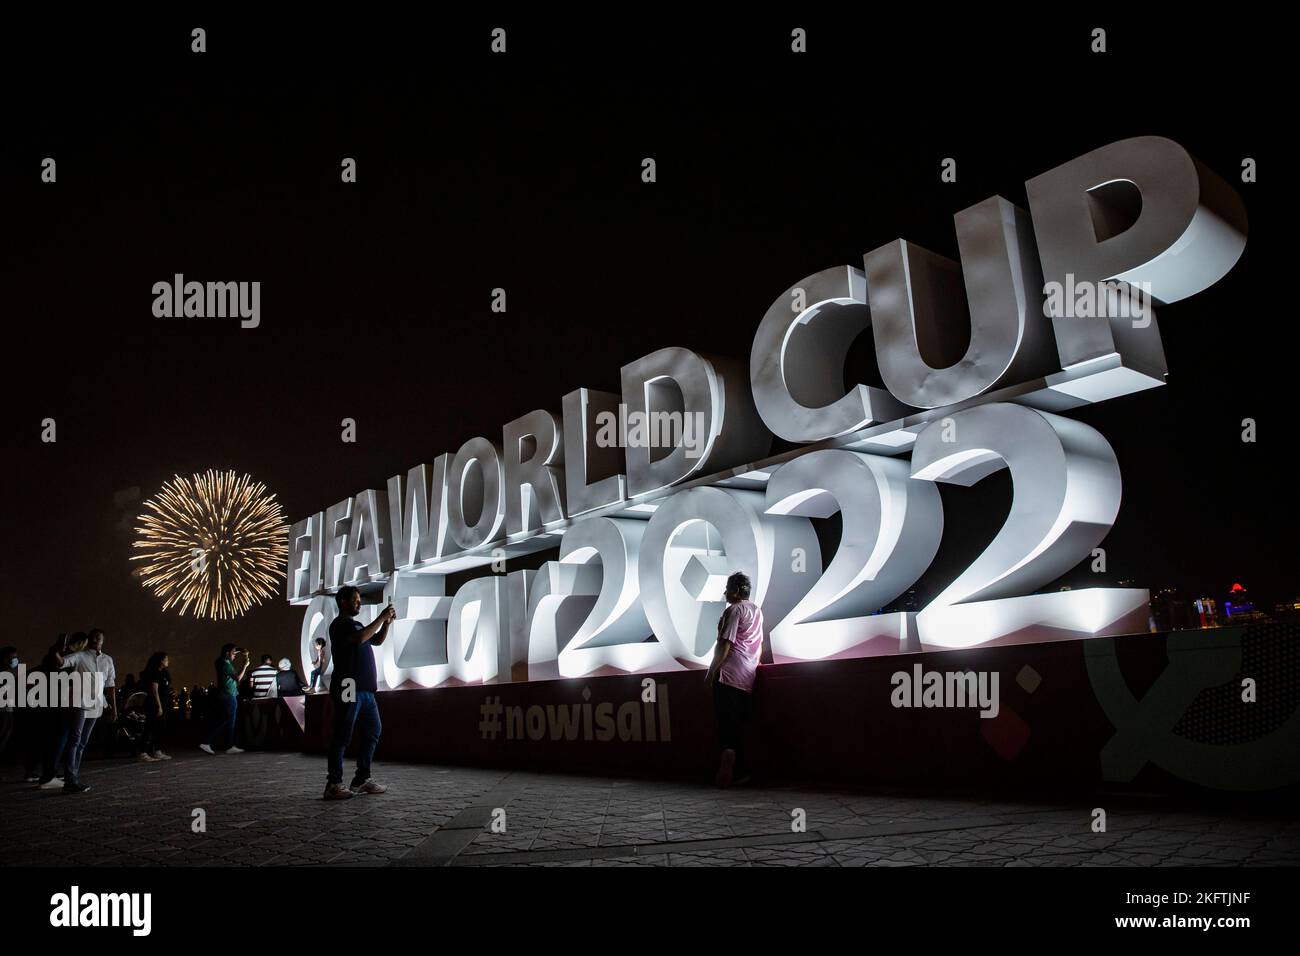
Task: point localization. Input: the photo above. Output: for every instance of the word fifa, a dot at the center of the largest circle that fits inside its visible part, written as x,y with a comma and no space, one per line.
74,909
1048,310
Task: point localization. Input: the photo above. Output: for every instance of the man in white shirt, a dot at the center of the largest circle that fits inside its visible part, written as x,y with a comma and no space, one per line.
91,660
104,666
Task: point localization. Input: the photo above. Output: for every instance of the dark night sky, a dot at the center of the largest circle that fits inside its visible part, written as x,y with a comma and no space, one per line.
522,172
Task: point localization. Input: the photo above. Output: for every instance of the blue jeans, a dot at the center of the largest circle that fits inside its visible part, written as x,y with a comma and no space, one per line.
226,707
79,751
317,675
361,714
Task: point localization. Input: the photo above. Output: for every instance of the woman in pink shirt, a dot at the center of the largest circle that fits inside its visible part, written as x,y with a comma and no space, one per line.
732,673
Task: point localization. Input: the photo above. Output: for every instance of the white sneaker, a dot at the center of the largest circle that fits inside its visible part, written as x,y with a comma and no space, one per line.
146,758
233,750
54,783
161,756
205,748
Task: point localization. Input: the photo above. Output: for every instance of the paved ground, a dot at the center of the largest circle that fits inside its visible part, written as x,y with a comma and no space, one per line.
265,809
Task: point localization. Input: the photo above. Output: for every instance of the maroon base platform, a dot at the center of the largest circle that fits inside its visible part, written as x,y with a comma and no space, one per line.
1149,710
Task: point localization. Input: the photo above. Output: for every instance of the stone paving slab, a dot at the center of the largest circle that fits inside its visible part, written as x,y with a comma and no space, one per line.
265,809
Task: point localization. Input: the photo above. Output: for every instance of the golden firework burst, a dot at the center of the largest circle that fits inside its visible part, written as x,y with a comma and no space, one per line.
216,543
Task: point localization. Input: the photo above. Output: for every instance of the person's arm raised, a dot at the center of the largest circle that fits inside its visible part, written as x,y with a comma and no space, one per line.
377,630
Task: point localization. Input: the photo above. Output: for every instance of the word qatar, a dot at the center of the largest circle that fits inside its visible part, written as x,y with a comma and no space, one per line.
646,535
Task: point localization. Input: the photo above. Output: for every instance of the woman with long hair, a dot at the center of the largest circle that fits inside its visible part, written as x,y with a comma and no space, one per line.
156,681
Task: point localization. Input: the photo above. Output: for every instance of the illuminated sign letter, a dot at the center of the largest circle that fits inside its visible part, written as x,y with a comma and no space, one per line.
1142,210
699,536
534,472
796,366
592,470
305,540
917,304
370,544
476,489
679,393
409,504
334,552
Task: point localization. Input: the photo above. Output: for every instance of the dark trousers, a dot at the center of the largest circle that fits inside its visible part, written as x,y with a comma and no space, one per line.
34,729
362,715
731,711
64,735
6,729
224,708
151,739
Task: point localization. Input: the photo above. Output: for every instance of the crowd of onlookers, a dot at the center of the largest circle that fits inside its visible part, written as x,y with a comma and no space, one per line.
133,718
54,739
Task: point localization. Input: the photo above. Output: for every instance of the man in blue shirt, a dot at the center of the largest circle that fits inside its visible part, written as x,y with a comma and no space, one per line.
352,692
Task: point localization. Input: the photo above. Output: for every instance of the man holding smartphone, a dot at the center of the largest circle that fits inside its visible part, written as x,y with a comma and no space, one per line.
352,693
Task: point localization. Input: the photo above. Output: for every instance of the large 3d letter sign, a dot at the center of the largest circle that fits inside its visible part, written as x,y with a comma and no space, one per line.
652,496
